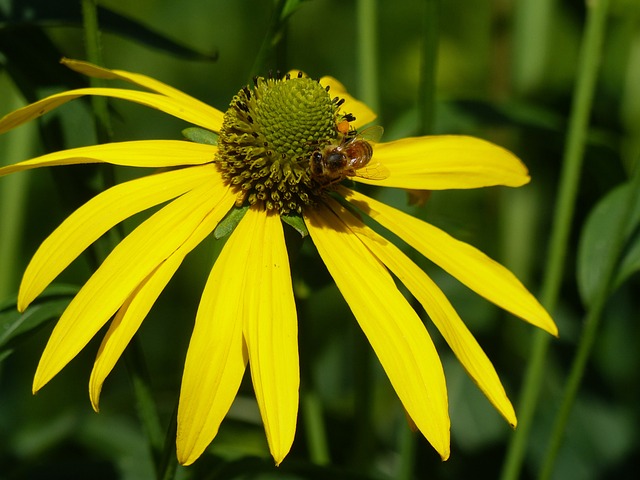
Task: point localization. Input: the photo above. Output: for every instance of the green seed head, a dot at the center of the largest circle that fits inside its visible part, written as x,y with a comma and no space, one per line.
268,136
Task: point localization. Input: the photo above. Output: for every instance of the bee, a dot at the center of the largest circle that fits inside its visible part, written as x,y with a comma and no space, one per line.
351,157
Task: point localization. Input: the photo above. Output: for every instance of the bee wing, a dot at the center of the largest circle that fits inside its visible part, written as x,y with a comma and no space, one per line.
371,134
373,170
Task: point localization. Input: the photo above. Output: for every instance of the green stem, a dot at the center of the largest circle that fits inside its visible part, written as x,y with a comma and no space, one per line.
591,324
367,15
590,56
144,400
13,196
94,55
272,38
310,402
364,434
314,426
428,71
408,441
147,409
426,121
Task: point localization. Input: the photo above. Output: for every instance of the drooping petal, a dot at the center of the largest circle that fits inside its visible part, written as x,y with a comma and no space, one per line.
146,82
270,330
468,264
447,162
394,330
439,309
98,215
172,106
137,306
363,114
141,153
217,356
123,270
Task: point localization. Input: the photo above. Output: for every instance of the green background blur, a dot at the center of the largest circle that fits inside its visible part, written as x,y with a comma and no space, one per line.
506,72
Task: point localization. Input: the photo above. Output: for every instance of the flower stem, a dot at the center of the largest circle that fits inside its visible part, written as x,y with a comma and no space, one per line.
590,329
147,409
13,195
94,55
428,71
590,56
367,17
314,423
272,38
144,400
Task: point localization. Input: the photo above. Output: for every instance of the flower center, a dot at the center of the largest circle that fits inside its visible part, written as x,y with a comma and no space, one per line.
268,137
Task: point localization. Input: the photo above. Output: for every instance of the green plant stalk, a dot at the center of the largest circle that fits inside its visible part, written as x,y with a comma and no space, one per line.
590,56
13,196
428,68
367,91
271,39
367,28
314,424
591,325
94,55
147,409
426,121
145,403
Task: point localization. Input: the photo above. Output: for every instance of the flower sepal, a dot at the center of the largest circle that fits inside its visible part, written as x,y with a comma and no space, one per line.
200,135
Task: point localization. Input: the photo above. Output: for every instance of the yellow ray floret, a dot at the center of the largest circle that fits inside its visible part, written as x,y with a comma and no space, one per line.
141,153
447,162
440,311
91,70
137,306
392,327
476,270
123,270
172,106
271,330
98,215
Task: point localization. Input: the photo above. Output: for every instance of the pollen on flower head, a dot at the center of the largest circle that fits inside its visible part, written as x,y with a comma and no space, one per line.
268,136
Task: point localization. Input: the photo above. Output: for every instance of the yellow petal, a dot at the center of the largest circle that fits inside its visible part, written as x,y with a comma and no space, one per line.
172,106
94,218
441,312
122,271
141,153
358,109
146,82
137,306
447,162
392,327
216,357
468,264
271,330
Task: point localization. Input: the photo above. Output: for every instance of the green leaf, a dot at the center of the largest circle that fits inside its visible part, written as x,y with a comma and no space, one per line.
200,135
289,8
297,222
29,13
15,325
596,241
229,223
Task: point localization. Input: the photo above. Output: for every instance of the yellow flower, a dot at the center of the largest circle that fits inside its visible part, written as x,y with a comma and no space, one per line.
275,140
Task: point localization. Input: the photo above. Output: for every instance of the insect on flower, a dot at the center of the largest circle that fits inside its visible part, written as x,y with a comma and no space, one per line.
352,156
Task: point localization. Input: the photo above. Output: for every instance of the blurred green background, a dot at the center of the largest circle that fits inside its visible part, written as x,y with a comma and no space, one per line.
506,71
